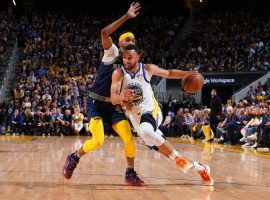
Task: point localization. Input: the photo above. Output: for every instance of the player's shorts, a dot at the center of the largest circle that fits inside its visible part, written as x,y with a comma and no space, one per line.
135,120
105,110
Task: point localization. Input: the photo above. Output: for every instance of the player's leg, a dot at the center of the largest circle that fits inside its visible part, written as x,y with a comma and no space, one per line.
148,133
97,129
122,127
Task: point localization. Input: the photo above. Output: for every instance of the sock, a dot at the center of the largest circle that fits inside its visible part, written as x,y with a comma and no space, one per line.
173,155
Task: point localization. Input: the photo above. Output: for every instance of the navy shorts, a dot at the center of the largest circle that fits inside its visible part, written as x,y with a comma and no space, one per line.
108,112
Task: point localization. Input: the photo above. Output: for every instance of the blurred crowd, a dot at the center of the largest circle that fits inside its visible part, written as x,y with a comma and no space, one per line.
220,42
62,52
246,123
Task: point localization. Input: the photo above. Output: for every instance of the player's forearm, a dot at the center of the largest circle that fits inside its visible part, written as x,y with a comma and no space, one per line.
116,99
177,74
114,26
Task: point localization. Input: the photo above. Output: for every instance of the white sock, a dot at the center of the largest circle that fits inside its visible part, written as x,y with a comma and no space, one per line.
174,154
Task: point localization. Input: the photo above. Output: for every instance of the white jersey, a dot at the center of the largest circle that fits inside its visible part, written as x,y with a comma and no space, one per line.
144,99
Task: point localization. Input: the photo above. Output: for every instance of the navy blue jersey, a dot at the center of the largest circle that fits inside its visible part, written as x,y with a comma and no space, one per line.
102,84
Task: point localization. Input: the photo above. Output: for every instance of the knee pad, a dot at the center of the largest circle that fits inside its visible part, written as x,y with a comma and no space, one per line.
147,117
154,147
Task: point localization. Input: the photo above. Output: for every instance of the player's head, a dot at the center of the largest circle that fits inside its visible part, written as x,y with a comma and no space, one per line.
126,39
131,56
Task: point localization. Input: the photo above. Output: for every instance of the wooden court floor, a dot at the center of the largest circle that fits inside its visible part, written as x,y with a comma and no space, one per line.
31,168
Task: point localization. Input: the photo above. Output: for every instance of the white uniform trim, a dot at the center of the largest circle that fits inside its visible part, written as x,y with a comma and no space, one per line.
110,54
144,102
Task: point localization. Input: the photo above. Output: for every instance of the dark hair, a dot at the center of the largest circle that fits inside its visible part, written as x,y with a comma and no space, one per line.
133,47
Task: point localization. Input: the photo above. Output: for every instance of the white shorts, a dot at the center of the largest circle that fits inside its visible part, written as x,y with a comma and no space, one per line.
135,120
78,126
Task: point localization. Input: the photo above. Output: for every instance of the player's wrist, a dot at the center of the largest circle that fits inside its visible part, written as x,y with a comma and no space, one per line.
127,16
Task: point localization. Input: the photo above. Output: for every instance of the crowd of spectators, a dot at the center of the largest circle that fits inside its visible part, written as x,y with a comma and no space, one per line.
6,26
220,42
62,54
246,123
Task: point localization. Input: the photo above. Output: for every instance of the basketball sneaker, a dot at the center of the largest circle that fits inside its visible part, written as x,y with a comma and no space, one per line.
71,162
183,164
204,172
131,178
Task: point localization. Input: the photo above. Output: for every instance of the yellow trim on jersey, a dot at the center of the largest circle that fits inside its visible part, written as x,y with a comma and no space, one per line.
156,106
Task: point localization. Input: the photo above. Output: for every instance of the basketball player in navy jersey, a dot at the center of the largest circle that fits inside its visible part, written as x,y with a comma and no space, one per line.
100,108
133,78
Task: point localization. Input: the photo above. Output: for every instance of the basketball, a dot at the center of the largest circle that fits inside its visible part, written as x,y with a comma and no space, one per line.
193,83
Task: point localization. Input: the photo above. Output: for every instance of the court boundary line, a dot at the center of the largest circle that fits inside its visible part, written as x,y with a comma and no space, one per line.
235,148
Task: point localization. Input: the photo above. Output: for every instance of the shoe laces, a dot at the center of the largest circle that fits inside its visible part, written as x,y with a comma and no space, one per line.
134,177
204,175
72,164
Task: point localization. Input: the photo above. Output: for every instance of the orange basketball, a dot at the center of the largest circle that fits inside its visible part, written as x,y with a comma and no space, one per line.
193,83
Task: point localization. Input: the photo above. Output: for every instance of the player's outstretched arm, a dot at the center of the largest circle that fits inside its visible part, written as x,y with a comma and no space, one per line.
169,74
108,30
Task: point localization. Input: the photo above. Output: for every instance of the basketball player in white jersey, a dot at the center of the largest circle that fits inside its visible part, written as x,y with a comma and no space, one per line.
131,88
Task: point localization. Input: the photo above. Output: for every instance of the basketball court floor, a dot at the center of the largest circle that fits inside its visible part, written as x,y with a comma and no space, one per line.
31,168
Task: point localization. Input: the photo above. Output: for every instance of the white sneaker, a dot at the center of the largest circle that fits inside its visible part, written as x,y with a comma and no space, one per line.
247,144
252,137
254,145
220,139
204,172
207,140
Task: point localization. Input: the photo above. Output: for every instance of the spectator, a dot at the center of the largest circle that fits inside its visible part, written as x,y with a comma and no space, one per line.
229,128
27,122
78,120
264,143
47,123
216,109
16,122
67,123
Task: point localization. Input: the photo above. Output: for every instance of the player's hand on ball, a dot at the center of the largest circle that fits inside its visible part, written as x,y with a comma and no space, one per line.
127,105
128,95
